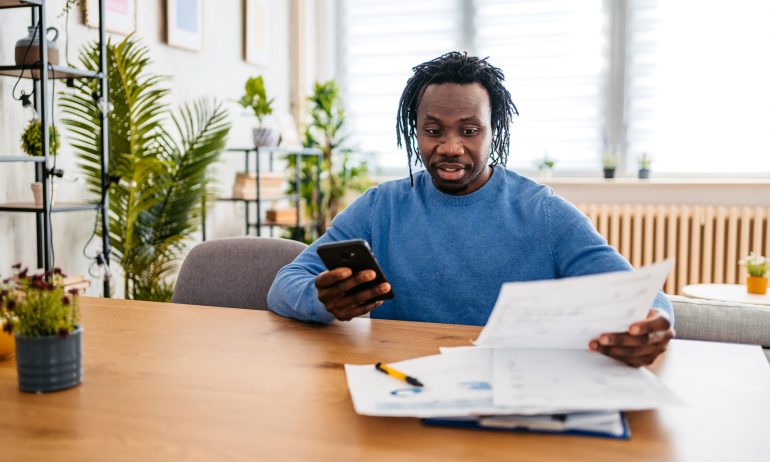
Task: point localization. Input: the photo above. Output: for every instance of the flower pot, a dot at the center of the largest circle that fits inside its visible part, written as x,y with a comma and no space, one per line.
644,173
609,173
37,193
49,363
756,285
265,137
7,343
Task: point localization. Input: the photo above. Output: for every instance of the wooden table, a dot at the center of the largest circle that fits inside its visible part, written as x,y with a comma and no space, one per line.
735,293
175,382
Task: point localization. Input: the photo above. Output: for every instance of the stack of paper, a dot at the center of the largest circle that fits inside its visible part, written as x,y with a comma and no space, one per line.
532,357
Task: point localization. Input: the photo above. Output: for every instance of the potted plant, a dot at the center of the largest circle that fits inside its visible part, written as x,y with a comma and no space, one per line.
609,164
644,162
255,97
32,145
44,320
545,167
758,267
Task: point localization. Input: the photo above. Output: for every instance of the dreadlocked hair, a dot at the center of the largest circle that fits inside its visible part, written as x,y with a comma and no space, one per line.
455,67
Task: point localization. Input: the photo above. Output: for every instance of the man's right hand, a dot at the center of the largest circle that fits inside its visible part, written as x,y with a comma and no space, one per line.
333,284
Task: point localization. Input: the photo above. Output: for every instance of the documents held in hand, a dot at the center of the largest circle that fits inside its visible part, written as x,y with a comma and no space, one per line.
531,358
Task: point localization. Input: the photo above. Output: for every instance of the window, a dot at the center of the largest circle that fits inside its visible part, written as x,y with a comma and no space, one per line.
647,75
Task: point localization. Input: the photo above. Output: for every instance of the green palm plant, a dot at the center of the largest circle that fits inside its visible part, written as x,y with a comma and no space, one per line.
158,176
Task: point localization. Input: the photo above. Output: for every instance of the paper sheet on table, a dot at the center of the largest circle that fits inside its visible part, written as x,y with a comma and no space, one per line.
568,313
456,384
573,380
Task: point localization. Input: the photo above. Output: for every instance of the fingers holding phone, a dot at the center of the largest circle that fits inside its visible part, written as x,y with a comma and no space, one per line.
336,290
355,284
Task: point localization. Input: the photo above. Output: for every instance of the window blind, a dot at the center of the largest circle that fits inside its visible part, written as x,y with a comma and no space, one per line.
379,43
555,59
697,88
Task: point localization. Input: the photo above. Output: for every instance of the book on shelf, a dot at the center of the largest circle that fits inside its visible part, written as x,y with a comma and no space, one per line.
286,215
271,184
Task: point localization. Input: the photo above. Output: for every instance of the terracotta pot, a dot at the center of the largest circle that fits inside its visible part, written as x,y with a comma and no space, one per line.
757,285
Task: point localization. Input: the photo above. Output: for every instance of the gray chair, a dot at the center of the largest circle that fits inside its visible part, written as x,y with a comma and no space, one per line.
698,319
233,272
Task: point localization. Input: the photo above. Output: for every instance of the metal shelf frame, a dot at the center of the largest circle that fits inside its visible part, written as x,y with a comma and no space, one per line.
41,73
298,154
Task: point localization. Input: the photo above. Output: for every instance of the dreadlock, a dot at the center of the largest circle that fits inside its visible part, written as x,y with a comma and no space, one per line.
455,67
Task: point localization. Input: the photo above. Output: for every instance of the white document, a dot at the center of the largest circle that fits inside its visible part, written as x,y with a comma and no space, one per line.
568,313
573,380
456,384
532,356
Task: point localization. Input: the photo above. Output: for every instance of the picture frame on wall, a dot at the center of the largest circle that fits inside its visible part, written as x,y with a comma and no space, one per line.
120,15
184,24
257,32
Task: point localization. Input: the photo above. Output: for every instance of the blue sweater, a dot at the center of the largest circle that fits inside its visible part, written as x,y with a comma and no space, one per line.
446,256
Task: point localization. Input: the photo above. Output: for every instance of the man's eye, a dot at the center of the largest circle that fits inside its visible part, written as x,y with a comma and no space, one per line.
433,131
470,131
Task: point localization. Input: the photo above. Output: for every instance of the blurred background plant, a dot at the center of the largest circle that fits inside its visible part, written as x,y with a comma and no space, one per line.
32,139
255,98
341,173
158,177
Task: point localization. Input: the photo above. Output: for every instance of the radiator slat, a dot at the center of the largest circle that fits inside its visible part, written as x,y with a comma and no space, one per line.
708,245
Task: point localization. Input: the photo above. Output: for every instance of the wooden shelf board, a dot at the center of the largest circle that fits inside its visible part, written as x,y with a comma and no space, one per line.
19,3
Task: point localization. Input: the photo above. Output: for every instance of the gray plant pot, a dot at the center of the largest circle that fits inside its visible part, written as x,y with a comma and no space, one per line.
49,363
644,173
265,137
609,173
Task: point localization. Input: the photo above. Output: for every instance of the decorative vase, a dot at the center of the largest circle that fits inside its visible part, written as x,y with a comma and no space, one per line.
265,137
644,173
609,173
546,174
49,363
28,49
756,285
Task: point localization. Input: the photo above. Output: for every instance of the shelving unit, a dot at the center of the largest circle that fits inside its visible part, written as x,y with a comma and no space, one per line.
259,222
41,73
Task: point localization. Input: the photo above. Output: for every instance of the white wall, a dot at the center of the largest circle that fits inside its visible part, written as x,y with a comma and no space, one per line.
217,71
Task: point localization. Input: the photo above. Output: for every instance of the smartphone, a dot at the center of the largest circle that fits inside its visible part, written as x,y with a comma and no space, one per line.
356,255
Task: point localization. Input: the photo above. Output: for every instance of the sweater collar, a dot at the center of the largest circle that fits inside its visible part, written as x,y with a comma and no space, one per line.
480,194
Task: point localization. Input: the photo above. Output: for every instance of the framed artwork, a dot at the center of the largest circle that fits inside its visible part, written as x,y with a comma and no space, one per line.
257,32
119,15
184,24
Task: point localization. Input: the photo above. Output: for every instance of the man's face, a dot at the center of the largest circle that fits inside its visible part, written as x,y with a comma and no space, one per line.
454,135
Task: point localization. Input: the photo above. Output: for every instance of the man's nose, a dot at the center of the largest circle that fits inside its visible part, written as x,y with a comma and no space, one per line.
450,145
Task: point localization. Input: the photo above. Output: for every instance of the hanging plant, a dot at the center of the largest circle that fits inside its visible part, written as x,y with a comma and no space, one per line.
32,139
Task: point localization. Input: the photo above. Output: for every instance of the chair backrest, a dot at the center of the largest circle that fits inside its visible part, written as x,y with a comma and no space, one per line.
233,272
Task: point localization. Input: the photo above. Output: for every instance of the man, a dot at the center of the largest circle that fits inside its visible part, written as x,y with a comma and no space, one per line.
448,237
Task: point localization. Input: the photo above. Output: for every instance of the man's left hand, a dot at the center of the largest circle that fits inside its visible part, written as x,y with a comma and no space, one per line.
643,342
